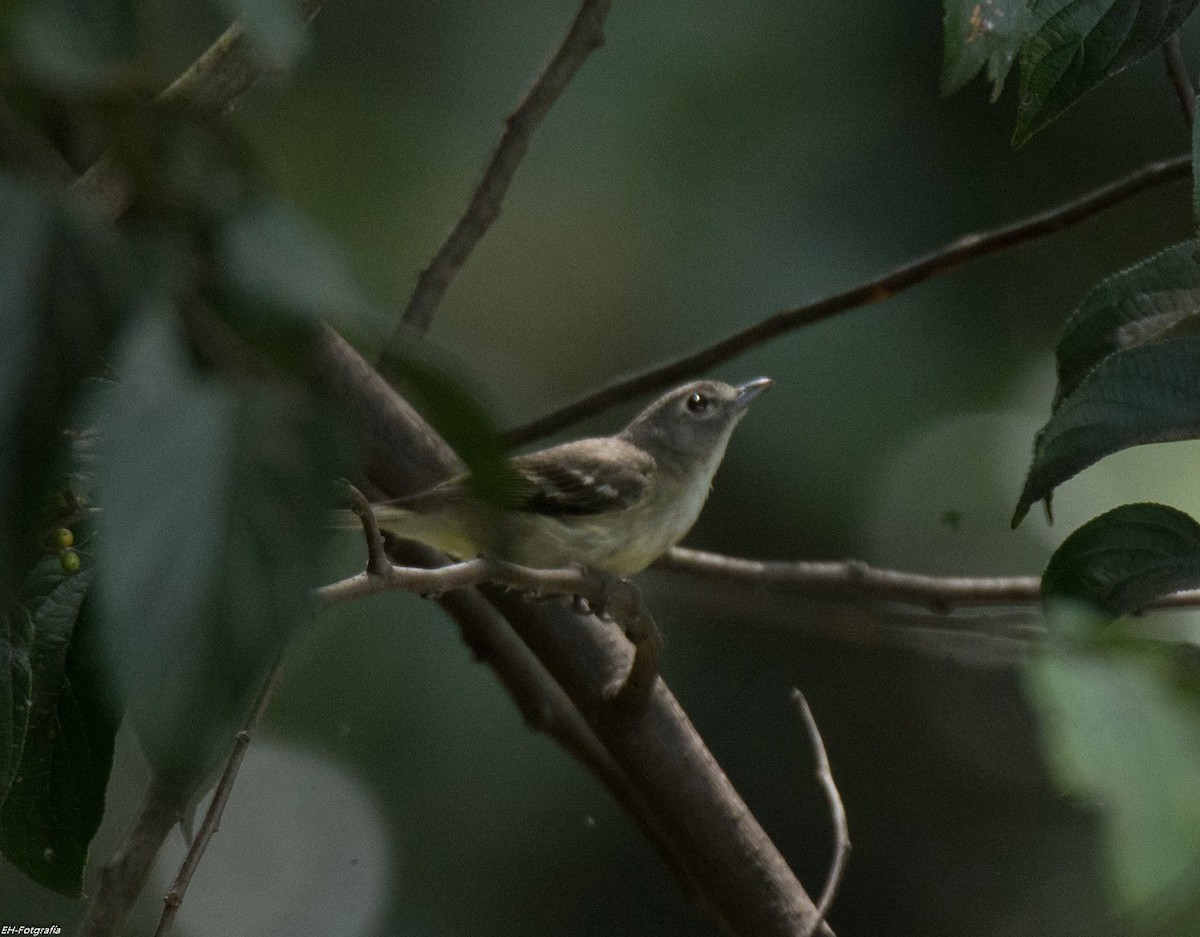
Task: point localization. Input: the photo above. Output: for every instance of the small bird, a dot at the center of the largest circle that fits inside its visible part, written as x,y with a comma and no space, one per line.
612,503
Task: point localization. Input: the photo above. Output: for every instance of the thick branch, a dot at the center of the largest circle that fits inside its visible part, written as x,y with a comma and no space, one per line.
1177,71
125,875
585,35
955,254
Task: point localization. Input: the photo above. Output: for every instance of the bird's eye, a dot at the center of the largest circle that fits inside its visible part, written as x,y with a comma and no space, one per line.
698,403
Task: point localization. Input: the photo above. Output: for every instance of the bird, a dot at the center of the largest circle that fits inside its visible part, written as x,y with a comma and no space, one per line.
610,503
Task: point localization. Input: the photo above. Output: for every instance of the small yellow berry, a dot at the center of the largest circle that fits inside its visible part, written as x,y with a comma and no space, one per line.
69,561
63,537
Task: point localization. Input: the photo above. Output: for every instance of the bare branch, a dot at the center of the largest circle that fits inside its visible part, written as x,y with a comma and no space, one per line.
955,254
126,873
837,810
585,35
1177,71
216,807
213,83
855,581
619,597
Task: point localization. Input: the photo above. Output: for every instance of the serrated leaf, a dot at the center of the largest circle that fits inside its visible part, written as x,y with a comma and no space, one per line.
1122,729
981,33
1125,559
214,505
1128,309
1141,395
56,801
1076,44
16,637
64,288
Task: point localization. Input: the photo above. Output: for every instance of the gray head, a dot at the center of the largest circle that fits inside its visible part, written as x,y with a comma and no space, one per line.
693,420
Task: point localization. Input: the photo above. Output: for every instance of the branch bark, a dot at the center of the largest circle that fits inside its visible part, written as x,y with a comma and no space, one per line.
585,35
955,254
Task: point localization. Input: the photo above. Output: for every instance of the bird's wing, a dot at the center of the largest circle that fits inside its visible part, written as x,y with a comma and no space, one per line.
589,476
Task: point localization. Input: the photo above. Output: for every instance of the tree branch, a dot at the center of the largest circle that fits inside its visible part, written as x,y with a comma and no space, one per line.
585,35
1177,71
213,83
956,253
216,807
126,873
856,581
837,810
619,597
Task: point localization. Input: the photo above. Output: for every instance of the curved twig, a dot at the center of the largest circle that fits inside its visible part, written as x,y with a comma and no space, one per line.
957,252
837,810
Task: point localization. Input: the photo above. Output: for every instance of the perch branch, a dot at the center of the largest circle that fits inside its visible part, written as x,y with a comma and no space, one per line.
955,254
619,597
1177,71
216,807
856,581
585,35
837,810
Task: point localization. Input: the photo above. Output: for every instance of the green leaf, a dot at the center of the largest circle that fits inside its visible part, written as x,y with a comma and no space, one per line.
275,260
64,288
1076,44
1123,560
214,505
16,638
1121,728
275,28
981,33
1128,309
1141,395
56,801
434,385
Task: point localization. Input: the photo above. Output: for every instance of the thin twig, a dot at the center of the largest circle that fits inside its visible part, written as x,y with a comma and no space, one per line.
222,74
216,808
957,252
585,35
1177,71
837,810
620,598
856,581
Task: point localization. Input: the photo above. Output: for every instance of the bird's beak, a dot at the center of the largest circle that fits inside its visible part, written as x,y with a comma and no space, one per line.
750,390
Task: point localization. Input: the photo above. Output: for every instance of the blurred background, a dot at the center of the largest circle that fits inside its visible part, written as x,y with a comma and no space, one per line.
711,164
